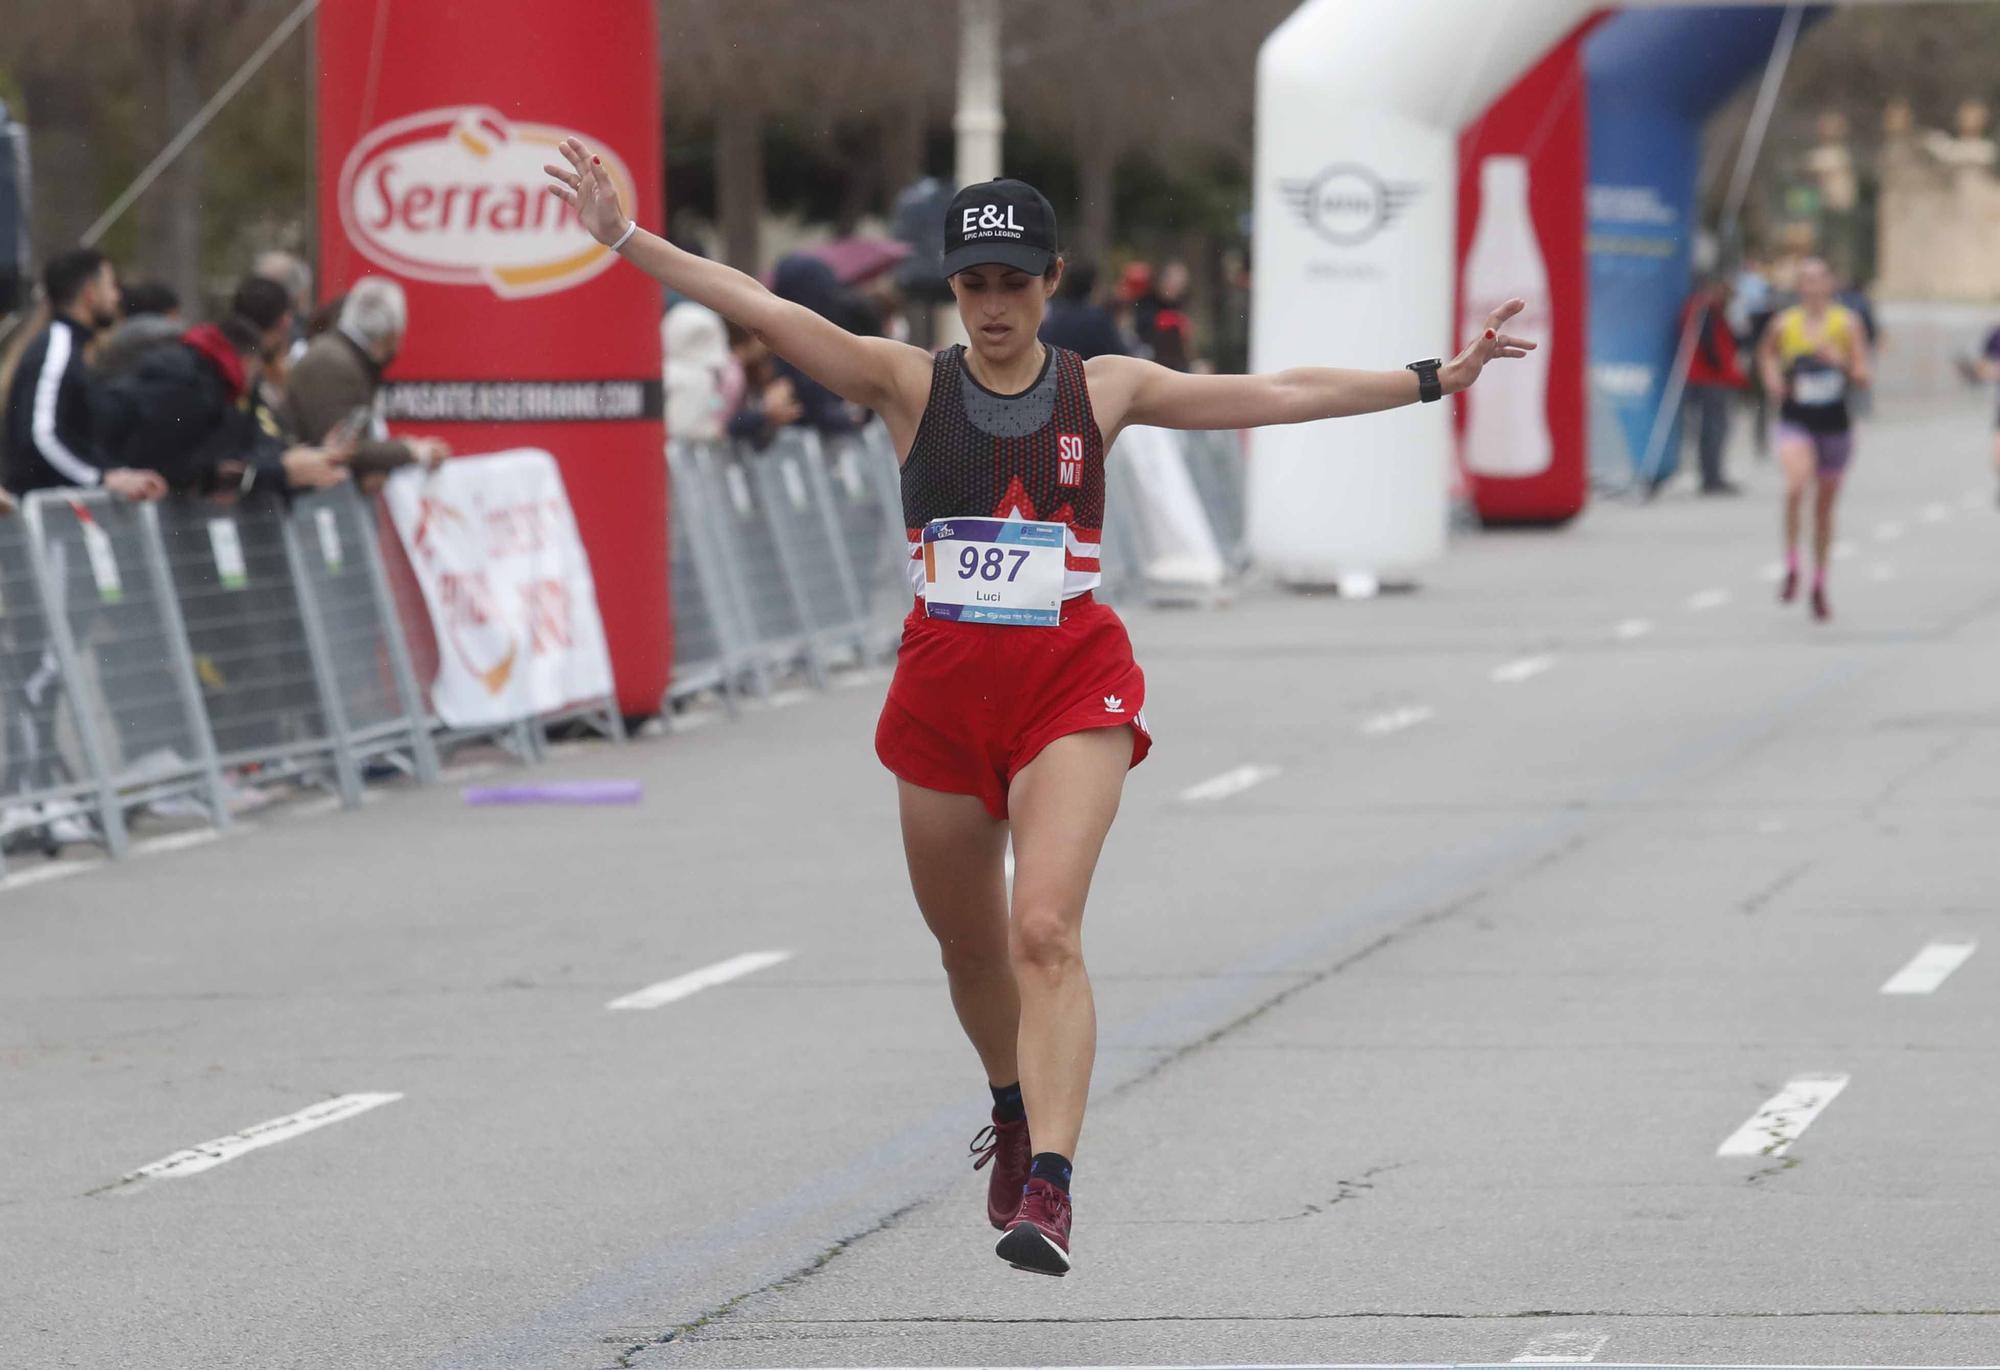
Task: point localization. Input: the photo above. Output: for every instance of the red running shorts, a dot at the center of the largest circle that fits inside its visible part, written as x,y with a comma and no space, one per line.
973,703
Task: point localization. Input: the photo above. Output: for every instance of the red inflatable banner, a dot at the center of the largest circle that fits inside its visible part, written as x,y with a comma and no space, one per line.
1523,166
434,121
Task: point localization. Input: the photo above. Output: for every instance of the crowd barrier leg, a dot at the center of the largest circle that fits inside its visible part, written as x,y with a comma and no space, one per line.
691,525
346,773
423,749
181,661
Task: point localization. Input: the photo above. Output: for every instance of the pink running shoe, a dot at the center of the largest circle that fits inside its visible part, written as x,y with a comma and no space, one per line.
1005,1144
1038,1238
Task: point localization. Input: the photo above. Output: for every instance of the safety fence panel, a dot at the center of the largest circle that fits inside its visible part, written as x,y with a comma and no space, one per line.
798,499
868,502
762,592
338,567
271,717
48,784
709,651
1216,463
114,628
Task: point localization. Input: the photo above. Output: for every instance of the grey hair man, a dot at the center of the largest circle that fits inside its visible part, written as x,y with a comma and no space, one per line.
336,387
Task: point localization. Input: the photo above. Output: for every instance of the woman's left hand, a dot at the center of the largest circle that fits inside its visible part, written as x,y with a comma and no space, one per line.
1461,371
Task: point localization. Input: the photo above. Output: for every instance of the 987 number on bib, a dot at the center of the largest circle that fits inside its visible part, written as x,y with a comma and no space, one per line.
994,571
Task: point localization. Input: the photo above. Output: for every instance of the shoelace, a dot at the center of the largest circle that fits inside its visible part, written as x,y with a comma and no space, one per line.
988,1139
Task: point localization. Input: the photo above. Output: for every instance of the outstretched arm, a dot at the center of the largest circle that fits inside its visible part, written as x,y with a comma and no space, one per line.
1125,390
877,373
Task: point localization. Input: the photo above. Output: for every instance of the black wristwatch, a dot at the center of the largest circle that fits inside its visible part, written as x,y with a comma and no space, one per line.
1427,379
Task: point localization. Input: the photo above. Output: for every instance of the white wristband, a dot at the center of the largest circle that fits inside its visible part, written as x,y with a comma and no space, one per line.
630,228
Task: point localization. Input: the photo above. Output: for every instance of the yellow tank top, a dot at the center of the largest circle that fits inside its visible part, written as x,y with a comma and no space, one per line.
1796,338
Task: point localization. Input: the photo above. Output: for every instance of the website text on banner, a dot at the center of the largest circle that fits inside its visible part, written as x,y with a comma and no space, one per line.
434,122
495,548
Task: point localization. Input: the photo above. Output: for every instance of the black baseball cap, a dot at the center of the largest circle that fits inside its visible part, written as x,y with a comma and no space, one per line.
1004,223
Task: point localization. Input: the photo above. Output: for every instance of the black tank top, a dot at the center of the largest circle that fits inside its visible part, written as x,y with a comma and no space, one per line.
1037,456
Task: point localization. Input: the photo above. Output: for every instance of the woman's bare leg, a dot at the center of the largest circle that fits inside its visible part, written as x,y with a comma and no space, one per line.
1062,804
956,850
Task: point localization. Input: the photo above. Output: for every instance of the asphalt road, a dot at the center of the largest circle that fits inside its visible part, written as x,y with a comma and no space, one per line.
1420,1036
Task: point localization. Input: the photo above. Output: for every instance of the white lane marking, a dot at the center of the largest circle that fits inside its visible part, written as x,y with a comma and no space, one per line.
1773,1128
1228,783
1563,1348
854,680
1936,513
785,699
210,1154
1632,629
1929,967
695,981
1708,599
1774,571
1882,570
1527,668
1974,499
1396,720
1888,532
1844,551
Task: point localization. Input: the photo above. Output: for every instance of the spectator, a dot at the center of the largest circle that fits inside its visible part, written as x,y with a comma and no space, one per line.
187,410
1715,376
152,317
1077,321
51,421
769,402
810,282
1752,302
335,388
703,380
1164,325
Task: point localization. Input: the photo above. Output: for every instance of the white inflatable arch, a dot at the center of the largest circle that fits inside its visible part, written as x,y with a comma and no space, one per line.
1359,108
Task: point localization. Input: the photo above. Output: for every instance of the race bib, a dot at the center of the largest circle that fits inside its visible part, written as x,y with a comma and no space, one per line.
1816,387
994,571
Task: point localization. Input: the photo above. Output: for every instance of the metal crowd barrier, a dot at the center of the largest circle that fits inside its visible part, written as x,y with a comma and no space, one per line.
173,655
791,559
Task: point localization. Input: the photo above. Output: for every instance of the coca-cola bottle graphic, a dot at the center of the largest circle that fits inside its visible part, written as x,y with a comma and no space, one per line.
1507,418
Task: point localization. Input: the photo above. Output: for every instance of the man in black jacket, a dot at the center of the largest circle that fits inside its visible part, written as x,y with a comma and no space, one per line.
51,440
188,409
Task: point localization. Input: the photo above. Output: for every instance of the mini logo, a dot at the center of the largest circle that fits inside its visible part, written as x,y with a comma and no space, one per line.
1348,204
1069,459
988,222
1113,704
455,196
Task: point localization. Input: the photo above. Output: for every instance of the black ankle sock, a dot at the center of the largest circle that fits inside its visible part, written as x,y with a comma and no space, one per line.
1047,1165
1007,1105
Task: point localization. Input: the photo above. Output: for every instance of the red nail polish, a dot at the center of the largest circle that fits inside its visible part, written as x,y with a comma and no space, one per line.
597,161
1489,335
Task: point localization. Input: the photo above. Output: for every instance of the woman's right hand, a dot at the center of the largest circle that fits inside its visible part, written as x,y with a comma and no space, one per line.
587,189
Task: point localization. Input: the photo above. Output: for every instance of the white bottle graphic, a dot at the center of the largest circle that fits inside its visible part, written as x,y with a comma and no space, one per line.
1507,419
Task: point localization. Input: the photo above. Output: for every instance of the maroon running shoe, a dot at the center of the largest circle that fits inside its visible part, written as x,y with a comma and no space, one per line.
1005,1144
1789,590
1038,1238
1821,609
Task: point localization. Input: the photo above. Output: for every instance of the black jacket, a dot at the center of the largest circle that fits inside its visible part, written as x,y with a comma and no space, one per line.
51,437
1084,328
178,413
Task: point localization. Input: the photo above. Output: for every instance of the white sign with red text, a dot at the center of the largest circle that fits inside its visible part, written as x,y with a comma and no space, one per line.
504,575
457,195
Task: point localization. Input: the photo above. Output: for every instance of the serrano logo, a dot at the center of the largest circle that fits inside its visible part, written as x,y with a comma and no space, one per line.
455,196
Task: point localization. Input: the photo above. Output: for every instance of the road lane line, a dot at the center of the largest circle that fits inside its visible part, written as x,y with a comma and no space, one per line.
1881,571
1774,571
1975,499
1563,1348
1708,599
1843,551
695,981
1396,720
1527,668
1632,629
211,1154
1773,1128
1929,967
1228,783
1889,531
1936,513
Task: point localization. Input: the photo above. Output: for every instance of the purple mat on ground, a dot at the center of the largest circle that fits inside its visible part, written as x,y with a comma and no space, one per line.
556,792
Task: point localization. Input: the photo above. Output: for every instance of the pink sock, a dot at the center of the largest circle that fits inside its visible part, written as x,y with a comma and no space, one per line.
1792,560
1819,577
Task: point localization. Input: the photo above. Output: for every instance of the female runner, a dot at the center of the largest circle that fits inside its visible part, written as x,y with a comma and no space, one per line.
1016,702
